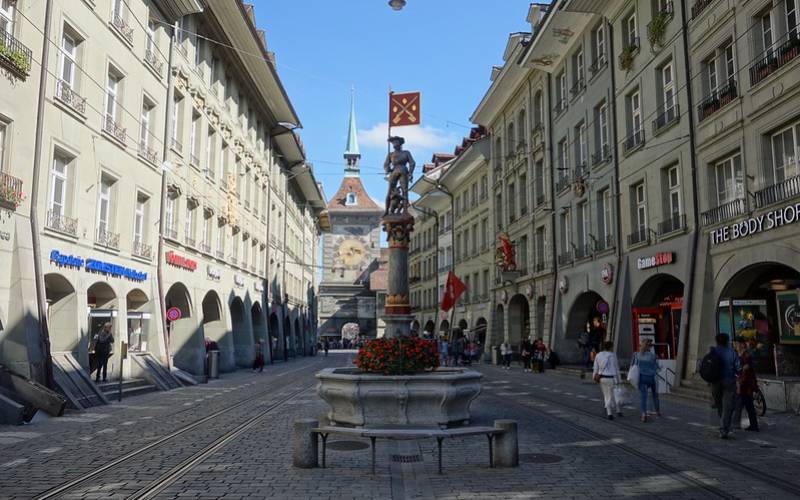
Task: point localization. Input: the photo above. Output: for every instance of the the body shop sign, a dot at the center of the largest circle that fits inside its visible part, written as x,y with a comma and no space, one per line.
757,224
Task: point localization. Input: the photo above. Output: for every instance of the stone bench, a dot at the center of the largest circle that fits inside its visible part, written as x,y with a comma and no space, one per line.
502,439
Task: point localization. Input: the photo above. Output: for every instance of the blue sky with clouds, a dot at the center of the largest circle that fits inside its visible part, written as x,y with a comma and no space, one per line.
444,48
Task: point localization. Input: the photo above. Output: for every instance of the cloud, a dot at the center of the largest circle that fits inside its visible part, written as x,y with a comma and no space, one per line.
417,137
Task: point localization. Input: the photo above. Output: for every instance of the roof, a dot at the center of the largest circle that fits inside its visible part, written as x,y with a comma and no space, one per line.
352,184
352,131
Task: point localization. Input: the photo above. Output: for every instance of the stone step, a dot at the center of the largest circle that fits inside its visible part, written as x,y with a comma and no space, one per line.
130,387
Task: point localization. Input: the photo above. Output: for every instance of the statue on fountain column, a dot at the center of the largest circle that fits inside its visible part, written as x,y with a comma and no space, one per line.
399,168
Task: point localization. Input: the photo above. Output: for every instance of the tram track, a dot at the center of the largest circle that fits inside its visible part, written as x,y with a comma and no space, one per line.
763,477
127,458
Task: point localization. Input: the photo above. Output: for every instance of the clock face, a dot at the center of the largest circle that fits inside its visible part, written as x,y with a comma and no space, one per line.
352,252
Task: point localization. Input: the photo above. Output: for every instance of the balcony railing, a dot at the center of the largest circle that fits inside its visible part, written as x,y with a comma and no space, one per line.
142,250
673,223
560,106
583,251
62,223
723,212
540,199
666,117
233,260
122,27
598,64
578,87
112,128
106,239
718,99
176,145
639,236
171,233
151,58
604,243
634,141
69,97
563,183
774,58
205,248
190,242
11,194
565,258
699,6
14,55
148,153
777,192
602,155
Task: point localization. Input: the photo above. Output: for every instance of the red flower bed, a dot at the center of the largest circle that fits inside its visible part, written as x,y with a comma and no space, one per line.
397,356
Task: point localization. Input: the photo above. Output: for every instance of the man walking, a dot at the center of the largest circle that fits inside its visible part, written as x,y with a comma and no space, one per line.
723,389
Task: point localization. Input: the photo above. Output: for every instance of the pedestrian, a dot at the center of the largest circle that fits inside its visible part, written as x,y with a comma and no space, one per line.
443,351
526,353
540,354
473,352
505,351
103,343
258,362
723,389
597,335
606,373
746,385
647,361
585,345
326,346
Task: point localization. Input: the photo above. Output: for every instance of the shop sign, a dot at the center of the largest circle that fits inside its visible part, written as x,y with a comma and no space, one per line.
659,259
213,273
754,225
238,280
563,285
789,315
181,261
96,266
607,273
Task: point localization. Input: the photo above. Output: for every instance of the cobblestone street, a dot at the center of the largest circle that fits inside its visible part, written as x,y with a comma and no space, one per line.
232,439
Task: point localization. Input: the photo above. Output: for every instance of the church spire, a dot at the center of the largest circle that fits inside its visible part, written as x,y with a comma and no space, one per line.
351,153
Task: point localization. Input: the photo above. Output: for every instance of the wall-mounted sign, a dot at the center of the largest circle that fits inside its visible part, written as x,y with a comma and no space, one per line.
96,266
757,224
258,286
607,273
173,314
659,259
529,291
502,296
238,280
213,273
563,285
602,306
181,261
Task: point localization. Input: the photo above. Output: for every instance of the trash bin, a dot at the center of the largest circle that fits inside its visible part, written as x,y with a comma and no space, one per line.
495,354
213,364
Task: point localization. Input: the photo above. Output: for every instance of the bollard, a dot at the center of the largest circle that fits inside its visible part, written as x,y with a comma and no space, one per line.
305,453
506,445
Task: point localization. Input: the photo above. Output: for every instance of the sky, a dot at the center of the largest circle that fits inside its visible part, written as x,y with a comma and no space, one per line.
443,48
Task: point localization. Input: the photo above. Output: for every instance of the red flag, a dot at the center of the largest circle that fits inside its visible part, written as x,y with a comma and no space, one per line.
452,291
404,109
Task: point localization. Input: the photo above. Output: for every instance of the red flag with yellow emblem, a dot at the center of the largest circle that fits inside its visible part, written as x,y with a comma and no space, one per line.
404,109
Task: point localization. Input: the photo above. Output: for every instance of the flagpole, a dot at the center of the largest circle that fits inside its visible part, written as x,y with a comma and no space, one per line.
389,123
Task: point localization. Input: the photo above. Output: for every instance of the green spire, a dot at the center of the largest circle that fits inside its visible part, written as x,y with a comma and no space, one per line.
352,131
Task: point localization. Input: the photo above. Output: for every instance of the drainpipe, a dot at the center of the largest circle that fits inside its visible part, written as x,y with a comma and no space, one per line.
163,209
267,269
686,313
45,377
283,276
617,195
553,245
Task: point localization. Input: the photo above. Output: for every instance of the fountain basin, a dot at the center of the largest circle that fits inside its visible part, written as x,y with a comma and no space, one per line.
441,397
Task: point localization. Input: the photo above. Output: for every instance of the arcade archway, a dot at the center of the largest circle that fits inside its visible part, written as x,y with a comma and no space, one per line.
62,314
259,325
243,347
479,331
300,345
186,340
430,326
519,320
274,335
140,328
657,309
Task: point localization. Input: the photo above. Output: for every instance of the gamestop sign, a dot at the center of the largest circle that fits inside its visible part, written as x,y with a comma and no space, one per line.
757,224
659,259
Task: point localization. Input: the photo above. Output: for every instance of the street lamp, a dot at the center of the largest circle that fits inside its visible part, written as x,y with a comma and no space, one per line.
397,4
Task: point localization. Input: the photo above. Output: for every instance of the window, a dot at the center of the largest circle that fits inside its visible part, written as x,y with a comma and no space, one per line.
540,250
510,138
144,124
631,31
561,91
563,159
210,150
118,8
583,224
7,15
198,52
223,165
580,146
188,224
498,209
245,250
205,235
668,93
484,187
104,206
521,140
239,173
785,152
729,179
601,135
512,209
67,62
674,194
523,254
474,194
475,239
3,147
577,71
538,172
636,131
169,210
194,139
485,233
523,194
220,238
604,217
150,39
498,153
711,69
139,225
485,287
112,89
58,185
538,109
791,18
640,210
599,46
766,32
566,230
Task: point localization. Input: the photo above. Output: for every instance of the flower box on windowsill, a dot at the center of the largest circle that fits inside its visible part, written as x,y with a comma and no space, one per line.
15,56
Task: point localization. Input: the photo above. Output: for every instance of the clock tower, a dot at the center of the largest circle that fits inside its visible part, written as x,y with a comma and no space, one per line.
350,251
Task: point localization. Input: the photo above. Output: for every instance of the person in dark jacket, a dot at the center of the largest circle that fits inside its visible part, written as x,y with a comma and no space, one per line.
258,362
746,385
103,342
526,352
724,390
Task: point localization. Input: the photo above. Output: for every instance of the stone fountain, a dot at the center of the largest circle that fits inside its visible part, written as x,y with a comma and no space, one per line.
438,398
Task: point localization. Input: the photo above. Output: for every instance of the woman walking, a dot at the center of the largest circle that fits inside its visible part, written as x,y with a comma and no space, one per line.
647,361
505,351
606,373
746,385
540,354
103,341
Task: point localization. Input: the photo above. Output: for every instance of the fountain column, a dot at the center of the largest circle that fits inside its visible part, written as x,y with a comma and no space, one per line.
397,312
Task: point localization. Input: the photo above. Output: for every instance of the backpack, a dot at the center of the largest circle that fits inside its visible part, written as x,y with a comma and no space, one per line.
711,367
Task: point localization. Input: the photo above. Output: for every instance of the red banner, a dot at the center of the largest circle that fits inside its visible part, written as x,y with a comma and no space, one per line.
404,109
452,291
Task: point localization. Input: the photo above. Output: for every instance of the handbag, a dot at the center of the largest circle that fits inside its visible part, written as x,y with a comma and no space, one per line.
596,377
633,373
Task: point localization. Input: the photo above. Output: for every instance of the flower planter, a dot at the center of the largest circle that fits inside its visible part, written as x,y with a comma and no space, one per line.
437,398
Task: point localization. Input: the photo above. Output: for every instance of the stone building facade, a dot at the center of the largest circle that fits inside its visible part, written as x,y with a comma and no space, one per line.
121,126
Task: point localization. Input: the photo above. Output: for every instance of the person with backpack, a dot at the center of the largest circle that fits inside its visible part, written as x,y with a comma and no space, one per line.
647,362
606,373
720,367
